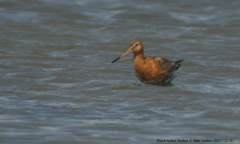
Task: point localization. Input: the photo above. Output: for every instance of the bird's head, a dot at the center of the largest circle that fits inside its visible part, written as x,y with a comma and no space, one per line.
136,46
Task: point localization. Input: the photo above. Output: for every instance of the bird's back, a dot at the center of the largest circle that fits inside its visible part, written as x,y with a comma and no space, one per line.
156,70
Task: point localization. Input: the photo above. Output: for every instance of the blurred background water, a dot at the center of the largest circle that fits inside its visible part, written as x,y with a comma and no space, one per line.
58,85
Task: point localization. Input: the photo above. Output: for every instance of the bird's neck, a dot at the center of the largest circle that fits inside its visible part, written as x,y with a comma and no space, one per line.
138,57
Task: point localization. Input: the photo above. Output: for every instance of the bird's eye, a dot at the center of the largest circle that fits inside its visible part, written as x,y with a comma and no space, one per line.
136,45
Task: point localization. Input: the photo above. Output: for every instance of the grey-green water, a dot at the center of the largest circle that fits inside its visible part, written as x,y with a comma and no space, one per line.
58,85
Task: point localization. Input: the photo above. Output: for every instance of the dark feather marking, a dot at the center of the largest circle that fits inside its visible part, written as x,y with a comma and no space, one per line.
168,65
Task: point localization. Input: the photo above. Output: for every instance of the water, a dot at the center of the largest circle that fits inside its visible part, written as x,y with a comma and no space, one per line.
58,85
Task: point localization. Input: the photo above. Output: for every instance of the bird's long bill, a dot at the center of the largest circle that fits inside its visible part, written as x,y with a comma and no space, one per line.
123,55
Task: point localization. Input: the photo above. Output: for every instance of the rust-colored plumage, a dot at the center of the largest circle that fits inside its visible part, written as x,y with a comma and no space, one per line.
151,70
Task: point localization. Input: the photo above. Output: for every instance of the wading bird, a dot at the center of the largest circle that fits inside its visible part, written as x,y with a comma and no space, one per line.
151,70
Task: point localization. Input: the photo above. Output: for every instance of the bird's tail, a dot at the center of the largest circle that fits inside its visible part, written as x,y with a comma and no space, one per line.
176,62
178,65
